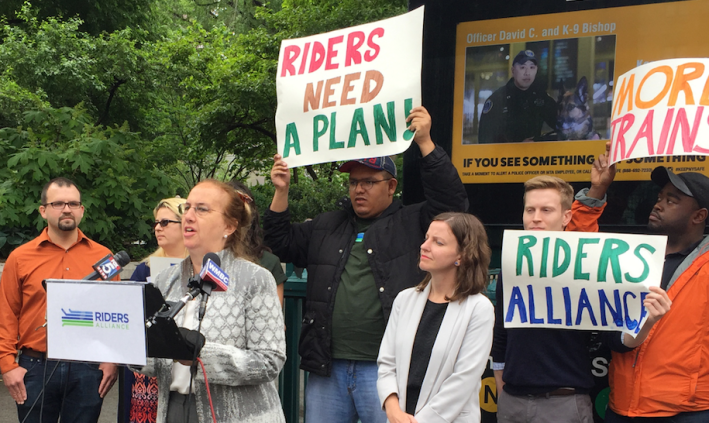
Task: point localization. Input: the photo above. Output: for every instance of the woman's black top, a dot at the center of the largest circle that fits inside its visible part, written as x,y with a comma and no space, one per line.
426,333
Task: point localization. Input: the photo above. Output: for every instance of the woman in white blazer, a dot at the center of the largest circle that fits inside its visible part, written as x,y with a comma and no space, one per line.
439,335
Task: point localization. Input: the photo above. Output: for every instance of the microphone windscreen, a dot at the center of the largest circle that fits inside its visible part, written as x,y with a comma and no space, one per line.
211,256
122,258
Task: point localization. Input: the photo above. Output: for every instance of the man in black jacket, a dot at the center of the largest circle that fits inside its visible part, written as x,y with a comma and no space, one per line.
517,111
358,260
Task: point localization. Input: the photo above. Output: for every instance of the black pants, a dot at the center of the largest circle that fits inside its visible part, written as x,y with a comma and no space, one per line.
177,409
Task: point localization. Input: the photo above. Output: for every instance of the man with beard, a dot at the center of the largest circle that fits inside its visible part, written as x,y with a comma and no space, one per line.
666,379
73,391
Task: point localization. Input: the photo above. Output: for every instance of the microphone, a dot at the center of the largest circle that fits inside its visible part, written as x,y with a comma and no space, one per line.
108,267
210,278
179,305
213,279
211,274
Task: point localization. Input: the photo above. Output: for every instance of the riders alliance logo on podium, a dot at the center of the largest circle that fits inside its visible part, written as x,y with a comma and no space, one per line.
96,319
77,318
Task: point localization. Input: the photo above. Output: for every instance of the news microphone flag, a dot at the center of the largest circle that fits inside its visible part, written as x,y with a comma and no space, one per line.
211,272
109,266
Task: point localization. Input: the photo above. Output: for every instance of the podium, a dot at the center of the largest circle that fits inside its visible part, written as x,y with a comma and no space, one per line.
164,338
105,322
96,321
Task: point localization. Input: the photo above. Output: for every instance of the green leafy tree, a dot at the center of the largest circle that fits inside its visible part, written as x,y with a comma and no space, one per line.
54,62
174,98
97,16
101,161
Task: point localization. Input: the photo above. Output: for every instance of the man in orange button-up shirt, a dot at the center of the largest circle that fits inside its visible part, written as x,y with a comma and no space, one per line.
61,251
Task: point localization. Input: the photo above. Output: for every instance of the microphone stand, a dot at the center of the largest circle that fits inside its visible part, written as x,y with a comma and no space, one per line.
170,309
206,290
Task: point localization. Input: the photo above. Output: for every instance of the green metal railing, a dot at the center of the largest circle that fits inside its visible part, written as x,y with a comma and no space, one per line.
289,379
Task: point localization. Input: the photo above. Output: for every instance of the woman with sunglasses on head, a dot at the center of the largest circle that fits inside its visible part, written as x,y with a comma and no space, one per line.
243,325
254,241
438,338
143,390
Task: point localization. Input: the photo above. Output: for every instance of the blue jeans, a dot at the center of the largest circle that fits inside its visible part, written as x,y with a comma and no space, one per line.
693,417
71,392
349,394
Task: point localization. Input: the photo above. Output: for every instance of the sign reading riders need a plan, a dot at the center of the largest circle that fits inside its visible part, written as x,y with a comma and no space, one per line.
346,94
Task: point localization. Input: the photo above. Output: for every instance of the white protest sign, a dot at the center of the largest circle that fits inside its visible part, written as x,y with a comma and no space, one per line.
577,280
345,94
96,321
158,264
659,110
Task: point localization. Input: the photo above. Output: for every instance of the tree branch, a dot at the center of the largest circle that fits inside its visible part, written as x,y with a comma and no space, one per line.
254,127
112,92
311,172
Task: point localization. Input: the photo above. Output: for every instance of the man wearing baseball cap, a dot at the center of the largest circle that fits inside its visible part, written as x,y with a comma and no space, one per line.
358,259
667,377
517,111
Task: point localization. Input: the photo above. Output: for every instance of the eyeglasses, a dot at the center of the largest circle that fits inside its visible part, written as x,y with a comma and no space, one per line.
59,205
366,184
200,210
164,223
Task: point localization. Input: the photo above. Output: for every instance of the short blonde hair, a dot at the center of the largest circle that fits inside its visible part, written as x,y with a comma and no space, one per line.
175,205
551,182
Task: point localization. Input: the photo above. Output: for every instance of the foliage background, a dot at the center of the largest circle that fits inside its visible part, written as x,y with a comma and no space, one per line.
138,100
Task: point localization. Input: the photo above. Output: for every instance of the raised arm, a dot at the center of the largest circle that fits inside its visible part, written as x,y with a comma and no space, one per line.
421,125
590,202
287,241
442,188
602,175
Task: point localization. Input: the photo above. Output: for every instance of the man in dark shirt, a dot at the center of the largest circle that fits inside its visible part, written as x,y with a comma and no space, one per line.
544,375
517,111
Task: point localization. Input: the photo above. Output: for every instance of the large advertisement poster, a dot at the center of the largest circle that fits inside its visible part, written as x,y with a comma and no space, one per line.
533,94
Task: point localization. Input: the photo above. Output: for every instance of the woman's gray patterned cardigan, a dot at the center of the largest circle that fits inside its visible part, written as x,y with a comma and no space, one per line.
245,348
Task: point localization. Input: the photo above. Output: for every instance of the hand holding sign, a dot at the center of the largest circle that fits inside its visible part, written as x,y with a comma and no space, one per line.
657,304
420,124
280,176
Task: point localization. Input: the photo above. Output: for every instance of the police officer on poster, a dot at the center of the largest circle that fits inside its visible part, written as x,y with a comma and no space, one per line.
517,111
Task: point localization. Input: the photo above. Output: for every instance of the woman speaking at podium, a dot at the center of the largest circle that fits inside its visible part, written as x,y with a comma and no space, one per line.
243,326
